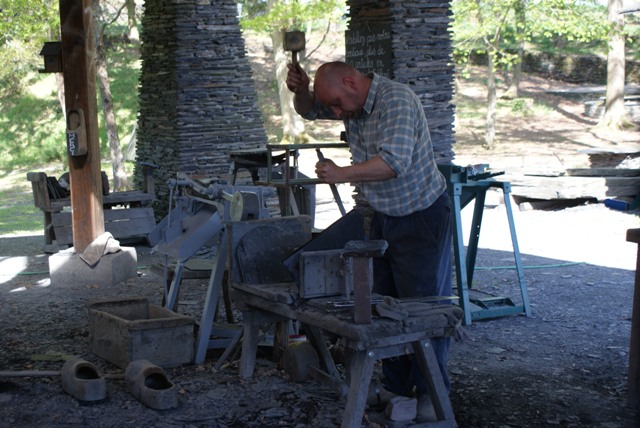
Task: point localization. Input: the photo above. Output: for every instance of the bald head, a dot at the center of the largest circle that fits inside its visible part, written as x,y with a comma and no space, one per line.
341,87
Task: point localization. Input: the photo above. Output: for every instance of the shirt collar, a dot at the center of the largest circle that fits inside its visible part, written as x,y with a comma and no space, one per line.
373,91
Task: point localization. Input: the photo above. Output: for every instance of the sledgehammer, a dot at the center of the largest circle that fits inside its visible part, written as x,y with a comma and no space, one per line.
294,42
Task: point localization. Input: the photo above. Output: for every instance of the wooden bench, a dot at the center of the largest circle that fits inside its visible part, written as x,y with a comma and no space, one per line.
258,291
135,219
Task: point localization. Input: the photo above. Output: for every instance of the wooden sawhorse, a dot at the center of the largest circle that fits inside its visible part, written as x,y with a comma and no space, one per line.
365,343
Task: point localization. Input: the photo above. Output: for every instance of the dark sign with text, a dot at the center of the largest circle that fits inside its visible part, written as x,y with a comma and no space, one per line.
368,48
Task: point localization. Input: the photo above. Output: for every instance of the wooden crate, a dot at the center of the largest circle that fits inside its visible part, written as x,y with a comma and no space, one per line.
129,329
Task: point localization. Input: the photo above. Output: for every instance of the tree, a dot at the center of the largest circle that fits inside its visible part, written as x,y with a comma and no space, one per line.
274,17
120,181
488,20
24,27
615,116
487,27
132,21
519,9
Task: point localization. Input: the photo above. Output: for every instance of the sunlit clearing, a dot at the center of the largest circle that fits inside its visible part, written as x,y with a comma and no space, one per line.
10,267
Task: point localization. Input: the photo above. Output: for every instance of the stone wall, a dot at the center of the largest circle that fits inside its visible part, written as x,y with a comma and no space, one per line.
418,36
591,70
198,100
576,69
197,96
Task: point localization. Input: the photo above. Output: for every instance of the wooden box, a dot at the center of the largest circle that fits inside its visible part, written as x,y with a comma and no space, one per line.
125,330
321,274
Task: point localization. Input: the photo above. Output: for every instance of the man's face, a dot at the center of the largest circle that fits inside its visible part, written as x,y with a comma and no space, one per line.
341,99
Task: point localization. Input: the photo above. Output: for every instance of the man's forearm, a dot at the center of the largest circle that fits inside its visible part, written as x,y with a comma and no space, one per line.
375,169
303,102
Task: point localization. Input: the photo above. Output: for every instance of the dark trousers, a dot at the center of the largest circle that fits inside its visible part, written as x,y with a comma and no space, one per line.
417,263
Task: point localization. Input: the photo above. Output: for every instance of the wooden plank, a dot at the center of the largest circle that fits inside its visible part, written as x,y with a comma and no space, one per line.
603,172
611,150
124,223
127,197
548,188
39,187
281,293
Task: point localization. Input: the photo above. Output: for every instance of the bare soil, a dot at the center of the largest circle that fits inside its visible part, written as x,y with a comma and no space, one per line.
565,365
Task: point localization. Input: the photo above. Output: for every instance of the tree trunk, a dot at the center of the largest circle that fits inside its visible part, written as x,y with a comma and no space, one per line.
59,82
117,160
490,132
293,129
132,22
514,89
60,90
614,114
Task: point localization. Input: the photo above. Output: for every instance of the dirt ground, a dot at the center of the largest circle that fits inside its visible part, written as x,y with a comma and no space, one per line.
564,366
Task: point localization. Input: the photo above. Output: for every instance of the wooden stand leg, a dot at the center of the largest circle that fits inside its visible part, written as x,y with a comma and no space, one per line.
360,378
249,346
317,339
431,371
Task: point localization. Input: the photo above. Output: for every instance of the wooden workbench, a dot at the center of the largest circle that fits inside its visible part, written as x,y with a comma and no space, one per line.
633,383
366,343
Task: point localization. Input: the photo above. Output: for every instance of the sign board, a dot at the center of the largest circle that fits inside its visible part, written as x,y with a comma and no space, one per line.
368,48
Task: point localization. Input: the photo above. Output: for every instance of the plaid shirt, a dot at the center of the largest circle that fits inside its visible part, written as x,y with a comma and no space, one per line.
393,126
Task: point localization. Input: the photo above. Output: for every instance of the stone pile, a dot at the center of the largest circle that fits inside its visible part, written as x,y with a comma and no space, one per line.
421,49
197,97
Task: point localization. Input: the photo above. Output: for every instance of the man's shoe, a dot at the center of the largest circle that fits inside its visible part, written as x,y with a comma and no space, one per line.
378,396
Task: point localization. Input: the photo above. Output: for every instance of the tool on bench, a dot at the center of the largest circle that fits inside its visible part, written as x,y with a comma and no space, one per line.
334,189
294,41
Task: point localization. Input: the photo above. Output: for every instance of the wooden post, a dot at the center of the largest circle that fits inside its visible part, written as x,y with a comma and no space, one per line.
633,381
80,95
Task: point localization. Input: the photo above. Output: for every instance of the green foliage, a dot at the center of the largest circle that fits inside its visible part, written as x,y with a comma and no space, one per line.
550,24
291,15
24,27
519,105
31,131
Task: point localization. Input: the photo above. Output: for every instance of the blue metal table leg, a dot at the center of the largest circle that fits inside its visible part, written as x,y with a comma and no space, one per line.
506,188
474,235
458,248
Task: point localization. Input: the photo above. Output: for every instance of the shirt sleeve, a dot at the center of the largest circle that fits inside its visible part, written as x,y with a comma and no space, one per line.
396,132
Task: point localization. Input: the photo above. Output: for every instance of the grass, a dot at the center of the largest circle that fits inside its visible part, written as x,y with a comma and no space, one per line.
32,128
29,133
18,214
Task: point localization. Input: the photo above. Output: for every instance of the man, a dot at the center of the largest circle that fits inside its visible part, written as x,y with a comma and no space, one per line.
395,168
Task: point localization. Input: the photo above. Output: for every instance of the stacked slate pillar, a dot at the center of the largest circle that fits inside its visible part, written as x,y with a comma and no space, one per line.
410,42
197,96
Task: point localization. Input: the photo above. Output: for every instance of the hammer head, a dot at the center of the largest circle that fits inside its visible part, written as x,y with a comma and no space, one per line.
294,41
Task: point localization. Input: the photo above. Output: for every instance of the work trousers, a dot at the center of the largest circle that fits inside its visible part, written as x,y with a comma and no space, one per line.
417,263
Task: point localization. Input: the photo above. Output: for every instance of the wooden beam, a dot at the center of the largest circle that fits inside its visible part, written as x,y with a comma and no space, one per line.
633,380
80,94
